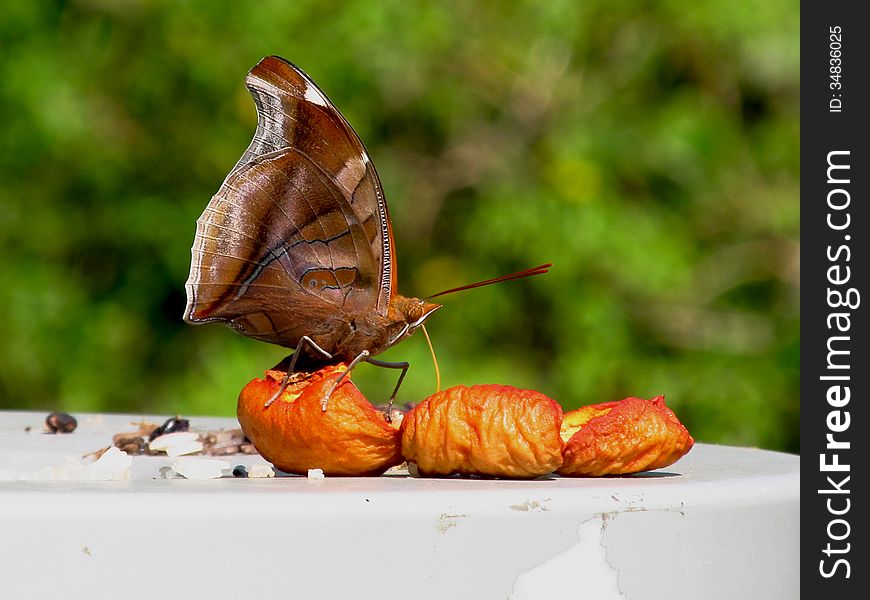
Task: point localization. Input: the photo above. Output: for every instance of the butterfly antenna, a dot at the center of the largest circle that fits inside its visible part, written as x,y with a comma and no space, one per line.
539,270
434,359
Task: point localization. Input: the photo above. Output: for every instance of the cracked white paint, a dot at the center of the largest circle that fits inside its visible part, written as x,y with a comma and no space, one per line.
581,571
531,505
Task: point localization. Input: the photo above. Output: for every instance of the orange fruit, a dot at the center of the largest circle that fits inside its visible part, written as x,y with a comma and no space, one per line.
488,430
618,438
294,433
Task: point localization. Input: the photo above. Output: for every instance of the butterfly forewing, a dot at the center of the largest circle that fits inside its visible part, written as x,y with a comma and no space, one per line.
293,111
298,234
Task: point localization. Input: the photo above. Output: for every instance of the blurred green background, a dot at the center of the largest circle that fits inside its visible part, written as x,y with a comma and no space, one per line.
650,150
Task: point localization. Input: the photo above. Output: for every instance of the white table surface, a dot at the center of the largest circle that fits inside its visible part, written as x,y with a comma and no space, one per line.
720,523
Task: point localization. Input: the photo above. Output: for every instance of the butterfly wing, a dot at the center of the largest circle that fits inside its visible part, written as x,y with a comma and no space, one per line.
299,233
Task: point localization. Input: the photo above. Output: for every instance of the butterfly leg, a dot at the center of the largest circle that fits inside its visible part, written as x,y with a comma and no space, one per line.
398,365
364,355
286,381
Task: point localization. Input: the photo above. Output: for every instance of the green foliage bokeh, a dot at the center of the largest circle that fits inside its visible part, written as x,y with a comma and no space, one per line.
649,150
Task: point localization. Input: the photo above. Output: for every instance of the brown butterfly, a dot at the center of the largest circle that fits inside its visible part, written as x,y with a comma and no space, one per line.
296,247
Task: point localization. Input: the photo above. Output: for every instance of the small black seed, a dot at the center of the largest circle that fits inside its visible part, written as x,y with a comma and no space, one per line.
240,471
172,425
60,423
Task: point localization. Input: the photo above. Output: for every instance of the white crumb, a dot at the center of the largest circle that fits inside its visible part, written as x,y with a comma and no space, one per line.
200,468
260,471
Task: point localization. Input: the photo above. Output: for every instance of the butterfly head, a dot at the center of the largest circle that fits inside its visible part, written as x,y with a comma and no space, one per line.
409,314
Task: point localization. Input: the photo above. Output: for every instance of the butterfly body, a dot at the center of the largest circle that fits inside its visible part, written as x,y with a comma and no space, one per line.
297,242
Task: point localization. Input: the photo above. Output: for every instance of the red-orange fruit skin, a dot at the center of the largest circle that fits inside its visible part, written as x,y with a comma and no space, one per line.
625,437
486,430
350,438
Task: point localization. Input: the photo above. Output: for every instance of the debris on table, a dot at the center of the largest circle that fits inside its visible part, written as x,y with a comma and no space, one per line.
58,422
177,444
172,425
261,471
200,468
175,438
112,465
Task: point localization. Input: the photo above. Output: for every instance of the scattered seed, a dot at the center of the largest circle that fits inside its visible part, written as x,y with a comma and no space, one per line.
131,443
172,425
223,442
316,474
60,423
240,471
247,448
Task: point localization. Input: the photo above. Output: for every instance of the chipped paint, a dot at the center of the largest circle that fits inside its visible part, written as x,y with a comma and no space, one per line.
447,522
580,571
531,505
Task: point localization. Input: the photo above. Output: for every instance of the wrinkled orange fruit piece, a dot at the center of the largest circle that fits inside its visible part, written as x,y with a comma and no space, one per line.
618,438
351,437
488,430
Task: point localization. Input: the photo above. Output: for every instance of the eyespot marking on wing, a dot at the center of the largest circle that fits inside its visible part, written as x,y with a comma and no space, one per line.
321,279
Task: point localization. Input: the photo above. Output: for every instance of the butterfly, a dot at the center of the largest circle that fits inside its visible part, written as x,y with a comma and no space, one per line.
296,247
